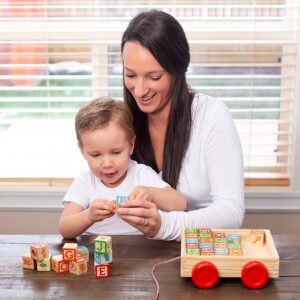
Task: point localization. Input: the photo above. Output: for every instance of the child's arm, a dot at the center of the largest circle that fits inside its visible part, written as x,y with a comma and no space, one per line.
75,219
165,198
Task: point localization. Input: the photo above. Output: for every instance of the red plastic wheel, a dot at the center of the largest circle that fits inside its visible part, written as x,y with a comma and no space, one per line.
205,275
255,275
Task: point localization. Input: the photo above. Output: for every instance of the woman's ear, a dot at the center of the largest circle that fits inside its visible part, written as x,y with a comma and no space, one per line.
132,142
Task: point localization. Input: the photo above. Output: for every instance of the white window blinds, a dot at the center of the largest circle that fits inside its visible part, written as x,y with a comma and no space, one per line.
55,55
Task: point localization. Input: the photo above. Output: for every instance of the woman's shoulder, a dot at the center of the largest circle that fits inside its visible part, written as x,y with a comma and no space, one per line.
207,104
208,111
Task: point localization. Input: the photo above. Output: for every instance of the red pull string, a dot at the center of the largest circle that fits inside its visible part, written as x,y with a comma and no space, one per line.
153,276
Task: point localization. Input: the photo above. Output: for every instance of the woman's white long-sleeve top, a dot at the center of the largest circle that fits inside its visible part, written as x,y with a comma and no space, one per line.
212,175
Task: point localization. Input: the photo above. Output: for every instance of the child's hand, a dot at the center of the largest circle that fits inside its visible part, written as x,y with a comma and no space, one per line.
101,209
142,193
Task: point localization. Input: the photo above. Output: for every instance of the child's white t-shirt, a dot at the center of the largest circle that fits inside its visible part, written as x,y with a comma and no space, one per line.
87,187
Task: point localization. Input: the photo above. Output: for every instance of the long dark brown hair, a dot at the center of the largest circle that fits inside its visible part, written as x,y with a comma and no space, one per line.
164,37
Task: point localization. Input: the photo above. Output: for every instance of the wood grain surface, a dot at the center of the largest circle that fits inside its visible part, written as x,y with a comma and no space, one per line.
133,260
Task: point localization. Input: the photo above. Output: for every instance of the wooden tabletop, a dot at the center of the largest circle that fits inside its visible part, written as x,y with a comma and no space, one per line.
133,260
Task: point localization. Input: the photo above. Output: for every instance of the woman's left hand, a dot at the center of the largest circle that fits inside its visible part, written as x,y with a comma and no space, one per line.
141,214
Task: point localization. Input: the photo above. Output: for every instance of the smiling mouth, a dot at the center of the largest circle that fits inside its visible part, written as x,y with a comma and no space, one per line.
146,99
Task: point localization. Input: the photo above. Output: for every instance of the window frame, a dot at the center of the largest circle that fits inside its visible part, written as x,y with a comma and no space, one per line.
261,182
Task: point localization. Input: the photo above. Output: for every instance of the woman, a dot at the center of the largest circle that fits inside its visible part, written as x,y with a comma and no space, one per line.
188,137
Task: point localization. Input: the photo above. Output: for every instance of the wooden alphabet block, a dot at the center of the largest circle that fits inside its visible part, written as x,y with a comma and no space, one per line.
206,251
83,251
233,238
257,237
191,230
59,265
69,251
28,262
103,258
102,244
39,251
193,251
191,235
78,267
44,265
192,246
235,251
191,240
221,251
102,271
218,235
121,199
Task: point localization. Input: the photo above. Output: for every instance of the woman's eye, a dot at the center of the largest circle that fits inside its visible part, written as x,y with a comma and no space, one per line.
130,75
155,78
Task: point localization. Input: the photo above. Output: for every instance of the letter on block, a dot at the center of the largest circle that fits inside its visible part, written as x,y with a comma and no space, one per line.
44,265
39,251
121,199
103,258
235,251
102,271
28,262
78,267
257,237
69,251
102,244
59,265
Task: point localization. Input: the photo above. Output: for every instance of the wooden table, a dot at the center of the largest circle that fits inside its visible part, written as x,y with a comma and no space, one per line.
134,257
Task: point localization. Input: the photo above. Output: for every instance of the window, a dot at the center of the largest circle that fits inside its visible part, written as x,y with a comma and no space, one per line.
55,55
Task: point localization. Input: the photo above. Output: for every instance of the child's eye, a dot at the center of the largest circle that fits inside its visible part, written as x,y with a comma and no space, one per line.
117,152
95,155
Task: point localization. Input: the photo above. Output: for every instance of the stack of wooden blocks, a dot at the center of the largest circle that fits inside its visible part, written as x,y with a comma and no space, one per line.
73,259
204,241
103,256
38,258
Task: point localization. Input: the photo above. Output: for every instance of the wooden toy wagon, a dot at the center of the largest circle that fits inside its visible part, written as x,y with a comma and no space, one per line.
207,254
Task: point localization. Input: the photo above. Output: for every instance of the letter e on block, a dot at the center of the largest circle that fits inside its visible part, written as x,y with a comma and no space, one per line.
102,271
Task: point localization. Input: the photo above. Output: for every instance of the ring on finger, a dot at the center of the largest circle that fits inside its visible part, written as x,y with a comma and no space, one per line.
146,221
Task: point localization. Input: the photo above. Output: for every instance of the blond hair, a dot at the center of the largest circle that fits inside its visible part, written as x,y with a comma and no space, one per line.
98,113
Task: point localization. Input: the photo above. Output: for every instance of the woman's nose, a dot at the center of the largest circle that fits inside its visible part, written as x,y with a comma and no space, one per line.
140,88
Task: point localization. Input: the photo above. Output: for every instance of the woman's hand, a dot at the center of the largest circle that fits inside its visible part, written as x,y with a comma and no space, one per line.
142,215
100,209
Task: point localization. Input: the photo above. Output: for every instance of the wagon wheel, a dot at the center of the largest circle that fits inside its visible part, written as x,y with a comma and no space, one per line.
205,275
255,275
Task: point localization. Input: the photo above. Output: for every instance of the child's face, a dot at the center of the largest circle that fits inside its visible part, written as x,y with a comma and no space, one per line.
107,153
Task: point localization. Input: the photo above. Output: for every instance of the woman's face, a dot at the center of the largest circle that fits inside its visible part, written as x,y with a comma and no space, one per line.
146,79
